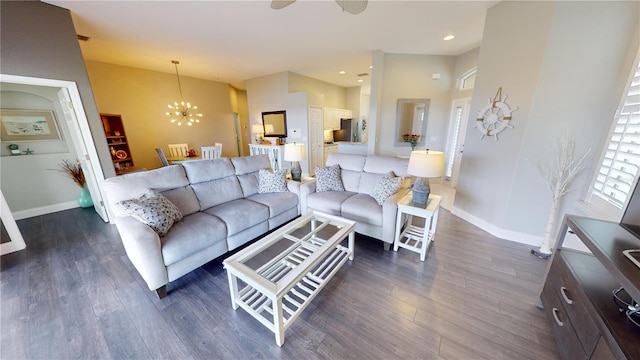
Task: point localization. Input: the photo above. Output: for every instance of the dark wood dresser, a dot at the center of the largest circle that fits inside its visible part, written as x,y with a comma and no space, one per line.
577,294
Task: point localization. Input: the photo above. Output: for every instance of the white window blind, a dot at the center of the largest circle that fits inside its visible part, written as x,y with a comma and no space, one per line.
621,160
454,142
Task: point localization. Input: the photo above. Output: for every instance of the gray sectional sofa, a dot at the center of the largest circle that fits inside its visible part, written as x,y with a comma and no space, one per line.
221,208
360,174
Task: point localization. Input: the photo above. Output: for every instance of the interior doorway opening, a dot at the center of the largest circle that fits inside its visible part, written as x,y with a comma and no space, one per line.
73,115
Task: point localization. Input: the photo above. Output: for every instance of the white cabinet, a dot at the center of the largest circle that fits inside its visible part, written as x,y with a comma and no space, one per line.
328,149
275,152
332,117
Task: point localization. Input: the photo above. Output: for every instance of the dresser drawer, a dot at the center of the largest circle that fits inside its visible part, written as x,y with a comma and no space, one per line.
564,333
574,302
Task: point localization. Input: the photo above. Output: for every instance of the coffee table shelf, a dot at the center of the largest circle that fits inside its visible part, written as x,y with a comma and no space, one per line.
283,272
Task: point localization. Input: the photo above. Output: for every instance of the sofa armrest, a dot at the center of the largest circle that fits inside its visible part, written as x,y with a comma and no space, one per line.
307,188
294,187
389,214
144,250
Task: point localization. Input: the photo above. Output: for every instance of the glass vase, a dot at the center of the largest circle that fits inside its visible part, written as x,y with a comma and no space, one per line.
85,198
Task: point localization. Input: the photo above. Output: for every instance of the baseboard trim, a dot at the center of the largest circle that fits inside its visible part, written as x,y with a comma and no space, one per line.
498,232
24,214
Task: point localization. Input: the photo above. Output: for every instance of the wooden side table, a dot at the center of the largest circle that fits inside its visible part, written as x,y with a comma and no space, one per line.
413,237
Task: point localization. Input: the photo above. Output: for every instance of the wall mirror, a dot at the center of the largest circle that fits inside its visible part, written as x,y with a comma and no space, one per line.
411,118
275,123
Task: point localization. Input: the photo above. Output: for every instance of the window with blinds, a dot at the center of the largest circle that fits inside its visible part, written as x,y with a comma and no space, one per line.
453,143
621,160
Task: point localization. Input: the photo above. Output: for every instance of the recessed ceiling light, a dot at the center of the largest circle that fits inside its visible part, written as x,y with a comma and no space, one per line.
370,66
342,72
449,37
360,80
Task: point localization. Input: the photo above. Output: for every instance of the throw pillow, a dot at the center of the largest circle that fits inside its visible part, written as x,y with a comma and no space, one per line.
328,179
269,182
154,210
386,186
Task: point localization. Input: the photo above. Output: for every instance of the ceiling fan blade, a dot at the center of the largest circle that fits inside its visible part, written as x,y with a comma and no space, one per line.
352,6
279,4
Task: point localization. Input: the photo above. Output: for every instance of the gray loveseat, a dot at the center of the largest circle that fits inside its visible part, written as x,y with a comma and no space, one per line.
360,174
222,210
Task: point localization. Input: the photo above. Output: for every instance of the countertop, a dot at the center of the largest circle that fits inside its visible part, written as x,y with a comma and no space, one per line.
349,143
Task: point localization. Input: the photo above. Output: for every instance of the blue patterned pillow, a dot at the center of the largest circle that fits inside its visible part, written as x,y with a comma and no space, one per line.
328,179
154,210
386,186
269,182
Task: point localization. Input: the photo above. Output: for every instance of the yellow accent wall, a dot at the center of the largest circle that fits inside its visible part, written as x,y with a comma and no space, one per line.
141,97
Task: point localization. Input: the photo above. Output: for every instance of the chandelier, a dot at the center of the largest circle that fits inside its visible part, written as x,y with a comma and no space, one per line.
182,111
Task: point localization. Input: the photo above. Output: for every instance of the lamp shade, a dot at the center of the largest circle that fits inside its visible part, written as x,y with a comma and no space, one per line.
257,129
294,152
426,163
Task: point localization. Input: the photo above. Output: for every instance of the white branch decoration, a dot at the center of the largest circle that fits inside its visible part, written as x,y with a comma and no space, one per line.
558,175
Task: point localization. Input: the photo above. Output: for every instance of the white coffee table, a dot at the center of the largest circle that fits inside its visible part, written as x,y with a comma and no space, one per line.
281,273
413,237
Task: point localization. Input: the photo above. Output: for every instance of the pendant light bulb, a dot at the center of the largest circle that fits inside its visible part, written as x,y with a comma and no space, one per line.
181,111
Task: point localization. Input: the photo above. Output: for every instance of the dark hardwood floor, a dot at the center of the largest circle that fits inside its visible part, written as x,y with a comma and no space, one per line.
74,294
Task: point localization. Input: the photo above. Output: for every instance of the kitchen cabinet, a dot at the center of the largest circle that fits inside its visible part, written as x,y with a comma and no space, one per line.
117,142
332,117
577,294
328,149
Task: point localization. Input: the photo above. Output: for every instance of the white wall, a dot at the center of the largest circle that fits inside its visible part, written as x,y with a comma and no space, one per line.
334,96
267,93
463,63
559,66
32,182
410,76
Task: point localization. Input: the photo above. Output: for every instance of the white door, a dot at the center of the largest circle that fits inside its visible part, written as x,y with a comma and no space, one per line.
455,141
85,147
316,139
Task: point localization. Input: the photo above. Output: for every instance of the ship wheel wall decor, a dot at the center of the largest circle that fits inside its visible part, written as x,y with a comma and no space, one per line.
495,116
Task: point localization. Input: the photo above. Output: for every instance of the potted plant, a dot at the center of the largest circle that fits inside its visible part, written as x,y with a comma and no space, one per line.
74,171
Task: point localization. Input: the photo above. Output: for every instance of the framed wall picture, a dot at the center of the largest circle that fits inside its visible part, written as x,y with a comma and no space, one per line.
28,125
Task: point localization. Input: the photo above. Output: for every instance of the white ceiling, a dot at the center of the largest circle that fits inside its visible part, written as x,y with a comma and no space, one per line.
232,41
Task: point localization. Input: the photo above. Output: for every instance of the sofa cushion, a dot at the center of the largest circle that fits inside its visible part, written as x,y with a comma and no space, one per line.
154,210
219,191
239,214
368,182
386,186
129,186
328,179
351,166
329,202
276,202
384,164
272,182
184,198
362,208
191,235
247,168
206,170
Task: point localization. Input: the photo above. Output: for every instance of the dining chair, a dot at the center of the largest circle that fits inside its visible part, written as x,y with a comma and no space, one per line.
163,159
178,150
211,152
219,144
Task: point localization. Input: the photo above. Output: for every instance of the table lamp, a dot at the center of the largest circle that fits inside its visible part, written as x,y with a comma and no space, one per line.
258,130
295,153
424,164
